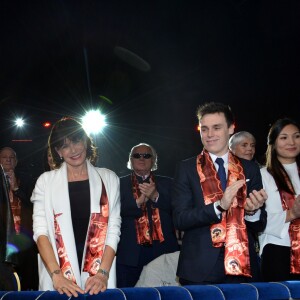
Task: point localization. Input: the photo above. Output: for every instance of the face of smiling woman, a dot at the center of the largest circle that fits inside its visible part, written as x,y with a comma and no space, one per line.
287,144
73,152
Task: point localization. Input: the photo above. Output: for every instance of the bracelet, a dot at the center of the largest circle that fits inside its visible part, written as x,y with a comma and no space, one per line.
103,272
55,272
251,213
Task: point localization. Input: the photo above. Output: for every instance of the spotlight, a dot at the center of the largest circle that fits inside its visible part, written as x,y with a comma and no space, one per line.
93,122
19,122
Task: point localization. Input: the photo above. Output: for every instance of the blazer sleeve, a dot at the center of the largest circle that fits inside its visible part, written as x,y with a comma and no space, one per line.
189,209
129,208
252,172
114,223
164,187
39,215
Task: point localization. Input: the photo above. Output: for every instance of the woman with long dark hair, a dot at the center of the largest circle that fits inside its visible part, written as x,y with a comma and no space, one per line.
280,241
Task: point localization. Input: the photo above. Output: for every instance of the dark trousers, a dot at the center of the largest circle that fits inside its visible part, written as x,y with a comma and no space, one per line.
7,278
218,275
127,276
225,279
275,263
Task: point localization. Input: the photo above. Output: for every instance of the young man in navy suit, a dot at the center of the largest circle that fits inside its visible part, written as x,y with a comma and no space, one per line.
218,202
147,229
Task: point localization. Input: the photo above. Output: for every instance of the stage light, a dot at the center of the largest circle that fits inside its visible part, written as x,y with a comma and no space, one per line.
19,122
93,122
47,124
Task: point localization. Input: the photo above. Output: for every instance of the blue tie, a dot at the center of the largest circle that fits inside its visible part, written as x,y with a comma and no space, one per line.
221,172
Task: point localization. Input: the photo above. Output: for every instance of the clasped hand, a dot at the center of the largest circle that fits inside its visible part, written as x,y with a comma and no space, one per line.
12,179
148,189
255,200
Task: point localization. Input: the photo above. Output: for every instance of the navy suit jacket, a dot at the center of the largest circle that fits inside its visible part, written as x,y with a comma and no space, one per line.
191,215
128,250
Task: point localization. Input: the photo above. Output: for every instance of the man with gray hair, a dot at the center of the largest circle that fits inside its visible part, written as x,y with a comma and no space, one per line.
19,188
147,229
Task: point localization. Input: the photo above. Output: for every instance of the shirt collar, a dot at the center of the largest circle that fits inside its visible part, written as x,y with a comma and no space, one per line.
214,157
144,177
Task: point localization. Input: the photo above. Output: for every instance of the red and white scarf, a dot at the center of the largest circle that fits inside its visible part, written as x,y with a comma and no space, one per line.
287,201
231,232
95,241
142,224
15,204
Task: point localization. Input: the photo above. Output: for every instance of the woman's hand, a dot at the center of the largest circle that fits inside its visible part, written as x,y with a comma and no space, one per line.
65,286
294,212
96,284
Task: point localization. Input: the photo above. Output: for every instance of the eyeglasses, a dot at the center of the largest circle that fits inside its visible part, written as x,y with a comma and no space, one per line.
139,155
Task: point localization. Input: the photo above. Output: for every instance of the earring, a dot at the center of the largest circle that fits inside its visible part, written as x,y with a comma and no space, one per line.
61,158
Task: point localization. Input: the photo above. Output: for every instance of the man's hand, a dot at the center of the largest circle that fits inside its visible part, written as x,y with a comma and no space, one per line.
140,200
230,194
12,180
255,200
148,189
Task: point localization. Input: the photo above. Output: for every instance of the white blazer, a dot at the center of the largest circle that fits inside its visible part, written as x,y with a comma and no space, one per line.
51,195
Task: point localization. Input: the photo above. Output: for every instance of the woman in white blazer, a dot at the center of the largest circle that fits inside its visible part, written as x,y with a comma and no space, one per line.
76,216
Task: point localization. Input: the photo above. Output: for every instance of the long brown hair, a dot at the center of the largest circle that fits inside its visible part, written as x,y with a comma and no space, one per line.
274,166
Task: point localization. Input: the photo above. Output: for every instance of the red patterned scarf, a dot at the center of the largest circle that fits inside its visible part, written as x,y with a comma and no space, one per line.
142,224
15,204
96,236
95,241
287,201
231,232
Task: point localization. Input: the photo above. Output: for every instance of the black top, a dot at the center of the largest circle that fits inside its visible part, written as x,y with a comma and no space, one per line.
79,193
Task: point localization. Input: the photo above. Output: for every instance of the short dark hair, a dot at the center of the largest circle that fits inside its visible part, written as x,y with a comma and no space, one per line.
216,107
69,128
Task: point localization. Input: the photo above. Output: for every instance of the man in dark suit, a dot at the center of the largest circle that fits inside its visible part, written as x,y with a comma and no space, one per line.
9,279
218,202
19,192
147,229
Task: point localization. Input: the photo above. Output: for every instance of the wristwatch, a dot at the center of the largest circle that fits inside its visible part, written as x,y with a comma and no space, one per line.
219,207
